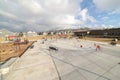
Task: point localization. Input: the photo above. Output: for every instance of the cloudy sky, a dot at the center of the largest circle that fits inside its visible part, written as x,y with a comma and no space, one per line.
42,15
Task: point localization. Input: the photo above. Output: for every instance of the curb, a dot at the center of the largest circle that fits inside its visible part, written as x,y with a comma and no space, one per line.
8,65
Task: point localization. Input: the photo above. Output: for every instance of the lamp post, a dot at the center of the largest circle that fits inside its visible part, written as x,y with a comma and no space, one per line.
88,32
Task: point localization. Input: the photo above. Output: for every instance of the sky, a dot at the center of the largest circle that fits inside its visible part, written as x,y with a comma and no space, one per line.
44,15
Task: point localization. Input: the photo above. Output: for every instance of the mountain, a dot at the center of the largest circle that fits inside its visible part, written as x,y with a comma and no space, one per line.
4,32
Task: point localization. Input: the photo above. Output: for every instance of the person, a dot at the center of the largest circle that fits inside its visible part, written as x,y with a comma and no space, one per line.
81,46
94,44
17,44
20,34
26,41
98,47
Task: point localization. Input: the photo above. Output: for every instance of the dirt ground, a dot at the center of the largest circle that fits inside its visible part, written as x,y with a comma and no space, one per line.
108,40
8,50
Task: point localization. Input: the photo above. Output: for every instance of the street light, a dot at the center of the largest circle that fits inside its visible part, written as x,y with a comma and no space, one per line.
88,32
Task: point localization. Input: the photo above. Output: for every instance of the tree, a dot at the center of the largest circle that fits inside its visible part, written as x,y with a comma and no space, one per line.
20,34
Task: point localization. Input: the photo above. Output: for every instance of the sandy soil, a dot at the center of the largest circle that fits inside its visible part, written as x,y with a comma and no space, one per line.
108,40
8,50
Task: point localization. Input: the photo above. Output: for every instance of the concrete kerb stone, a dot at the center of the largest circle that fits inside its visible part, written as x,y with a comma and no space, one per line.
8,65
27,53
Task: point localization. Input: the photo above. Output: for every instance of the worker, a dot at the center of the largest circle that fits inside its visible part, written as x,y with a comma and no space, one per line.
98,47
81,46
94,44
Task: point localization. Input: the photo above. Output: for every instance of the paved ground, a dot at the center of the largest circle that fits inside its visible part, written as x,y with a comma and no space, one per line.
70,62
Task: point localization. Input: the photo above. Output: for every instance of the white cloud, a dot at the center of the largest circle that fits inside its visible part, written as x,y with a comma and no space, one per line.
111,26
85,16
106,26
39,12
100,26
6,14
117,11
92,19
10,26
105,18
42,14
108,5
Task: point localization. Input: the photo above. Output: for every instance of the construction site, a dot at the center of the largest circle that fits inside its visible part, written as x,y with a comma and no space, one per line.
60,57
59,39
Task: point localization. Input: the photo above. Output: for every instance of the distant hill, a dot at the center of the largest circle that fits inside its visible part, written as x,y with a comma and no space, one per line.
4,32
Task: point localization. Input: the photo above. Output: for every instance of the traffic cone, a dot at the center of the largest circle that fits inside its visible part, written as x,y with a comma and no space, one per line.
81,46
98,47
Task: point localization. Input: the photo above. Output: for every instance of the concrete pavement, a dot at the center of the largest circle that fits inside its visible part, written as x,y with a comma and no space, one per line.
35,64
70,62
